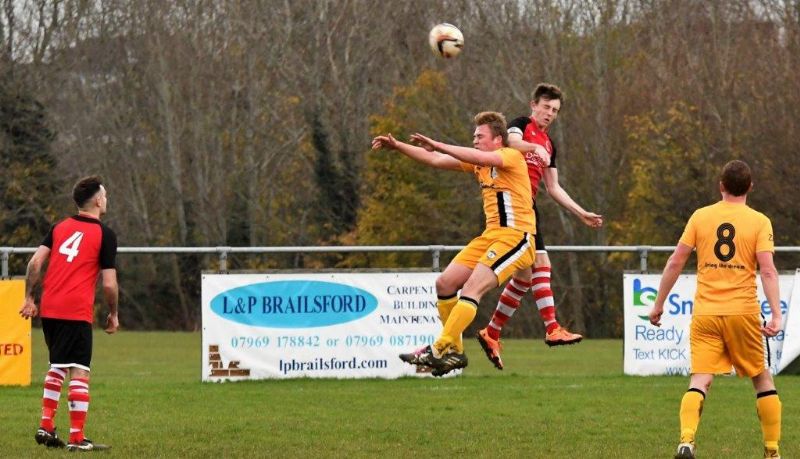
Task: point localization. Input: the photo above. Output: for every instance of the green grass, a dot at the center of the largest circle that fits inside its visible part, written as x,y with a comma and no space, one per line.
147,401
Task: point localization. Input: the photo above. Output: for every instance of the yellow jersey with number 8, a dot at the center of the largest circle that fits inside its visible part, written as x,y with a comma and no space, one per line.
727,237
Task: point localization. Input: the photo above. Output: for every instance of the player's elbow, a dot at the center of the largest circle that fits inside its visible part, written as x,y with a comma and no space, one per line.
32,266
35,264
439,163
551,183
675,263
521,145
769,273
110,284
110,290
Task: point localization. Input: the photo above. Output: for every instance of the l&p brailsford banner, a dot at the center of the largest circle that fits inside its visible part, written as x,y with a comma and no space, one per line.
651,350
15,336
342,325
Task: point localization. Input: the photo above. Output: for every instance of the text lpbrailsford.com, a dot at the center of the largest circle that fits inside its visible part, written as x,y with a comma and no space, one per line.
332,363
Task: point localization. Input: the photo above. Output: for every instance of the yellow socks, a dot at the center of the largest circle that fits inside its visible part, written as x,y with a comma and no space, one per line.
768,406
691,409
445,306
461,315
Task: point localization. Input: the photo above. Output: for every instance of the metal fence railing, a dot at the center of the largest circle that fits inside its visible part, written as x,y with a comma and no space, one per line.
434,250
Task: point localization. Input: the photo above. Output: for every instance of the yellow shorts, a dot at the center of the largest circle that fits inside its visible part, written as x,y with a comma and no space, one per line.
504,250
719,342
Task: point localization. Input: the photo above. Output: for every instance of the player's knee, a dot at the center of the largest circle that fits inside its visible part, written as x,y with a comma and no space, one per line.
476,286
523,275
763,381
446,286
704,386
76,372
701,382
542,260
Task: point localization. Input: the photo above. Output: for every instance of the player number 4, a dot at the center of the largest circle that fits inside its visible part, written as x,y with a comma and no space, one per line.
70,246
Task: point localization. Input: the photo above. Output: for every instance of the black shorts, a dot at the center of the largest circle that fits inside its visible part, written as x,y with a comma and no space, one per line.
69,342
537,238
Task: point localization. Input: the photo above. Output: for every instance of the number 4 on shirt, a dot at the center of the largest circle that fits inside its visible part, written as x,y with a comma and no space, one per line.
70,246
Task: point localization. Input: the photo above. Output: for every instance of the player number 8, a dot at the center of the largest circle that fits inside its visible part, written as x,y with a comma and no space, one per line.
725,233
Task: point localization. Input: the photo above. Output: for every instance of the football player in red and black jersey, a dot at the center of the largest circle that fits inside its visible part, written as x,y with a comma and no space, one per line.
78,248
529,134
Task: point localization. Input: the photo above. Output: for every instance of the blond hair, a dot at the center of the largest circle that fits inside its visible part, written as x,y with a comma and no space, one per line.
496,122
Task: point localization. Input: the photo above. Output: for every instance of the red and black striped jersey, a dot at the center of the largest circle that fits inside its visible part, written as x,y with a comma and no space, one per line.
80,247
530,132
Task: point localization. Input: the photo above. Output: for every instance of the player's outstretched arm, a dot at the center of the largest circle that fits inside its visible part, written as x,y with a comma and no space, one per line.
670,275
111,293
465,154
33,275
424,155
515,141
769,280
561,196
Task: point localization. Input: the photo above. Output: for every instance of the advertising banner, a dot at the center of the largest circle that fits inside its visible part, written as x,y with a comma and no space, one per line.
332,325
15,336
651,350
791,343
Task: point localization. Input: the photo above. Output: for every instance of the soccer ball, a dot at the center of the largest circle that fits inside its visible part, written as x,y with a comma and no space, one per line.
446,40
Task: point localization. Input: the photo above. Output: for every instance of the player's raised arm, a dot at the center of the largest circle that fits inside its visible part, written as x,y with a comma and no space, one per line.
423,155
515,141
465,154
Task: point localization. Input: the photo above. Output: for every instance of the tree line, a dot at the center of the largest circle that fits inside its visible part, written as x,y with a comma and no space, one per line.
247,123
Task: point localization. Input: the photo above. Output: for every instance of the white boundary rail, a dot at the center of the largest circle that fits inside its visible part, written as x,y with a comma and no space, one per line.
434,250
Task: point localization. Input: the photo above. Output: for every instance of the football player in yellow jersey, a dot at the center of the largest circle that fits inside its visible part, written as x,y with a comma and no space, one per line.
727,328
505,246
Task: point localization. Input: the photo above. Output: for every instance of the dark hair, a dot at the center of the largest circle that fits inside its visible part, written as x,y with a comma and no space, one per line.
85,190
547,91
496,122
736,177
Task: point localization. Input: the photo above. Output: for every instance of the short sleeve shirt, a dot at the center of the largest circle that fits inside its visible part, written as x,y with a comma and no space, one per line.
80,247
507,198
727,237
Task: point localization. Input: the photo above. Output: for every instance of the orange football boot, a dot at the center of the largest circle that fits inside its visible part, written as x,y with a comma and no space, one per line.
561,336
491,347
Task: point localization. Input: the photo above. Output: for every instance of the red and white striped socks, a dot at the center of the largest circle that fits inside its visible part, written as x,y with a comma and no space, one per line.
508,304
544,297
78,397
78,406
512,294
52,393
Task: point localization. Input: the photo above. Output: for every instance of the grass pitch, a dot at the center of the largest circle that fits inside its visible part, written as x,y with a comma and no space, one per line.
147,401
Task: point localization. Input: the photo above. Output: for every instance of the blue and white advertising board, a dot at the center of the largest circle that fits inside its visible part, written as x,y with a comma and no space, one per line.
651,350
316,325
